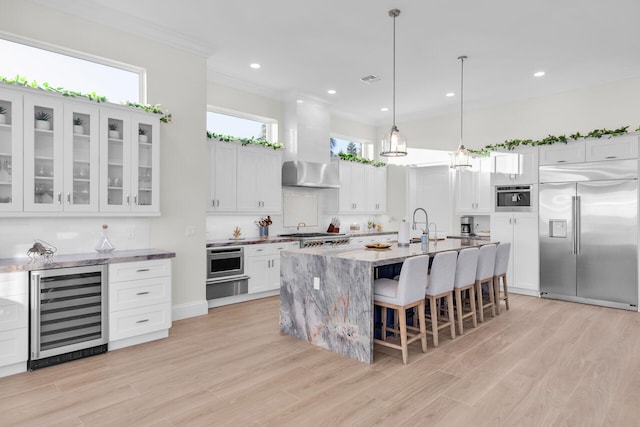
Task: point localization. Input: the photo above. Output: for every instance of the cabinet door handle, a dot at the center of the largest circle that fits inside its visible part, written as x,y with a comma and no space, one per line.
143,293
611,157
68,198
142,321
142,270
128,200
59,198
135,200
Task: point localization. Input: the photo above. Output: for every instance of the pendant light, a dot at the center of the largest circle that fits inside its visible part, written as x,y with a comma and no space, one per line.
460,157
394,144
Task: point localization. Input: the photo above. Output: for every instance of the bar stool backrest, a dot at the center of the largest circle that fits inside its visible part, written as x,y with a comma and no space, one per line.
486,262
502,258
466,267
443,272
413,279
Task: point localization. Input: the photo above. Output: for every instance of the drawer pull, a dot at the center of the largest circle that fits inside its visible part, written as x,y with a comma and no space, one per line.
142,321
142,270
610,157
143,293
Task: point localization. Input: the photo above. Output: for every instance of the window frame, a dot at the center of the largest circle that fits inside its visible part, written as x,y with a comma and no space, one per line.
270,122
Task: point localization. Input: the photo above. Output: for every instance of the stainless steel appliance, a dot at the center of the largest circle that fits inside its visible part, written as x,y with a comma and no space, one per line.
307,174
319,239
68,314
515,198
466,226
589,233
225,272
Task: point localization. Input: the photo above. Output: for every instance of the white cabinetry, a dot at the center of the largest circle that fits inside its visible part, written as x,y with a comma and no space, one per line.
521,230
139,302
517,166
223,158
262,265
363,189
259,180
473,188
14,314
376,185
616,148
245,179
129,162
558,153
11,130
430,188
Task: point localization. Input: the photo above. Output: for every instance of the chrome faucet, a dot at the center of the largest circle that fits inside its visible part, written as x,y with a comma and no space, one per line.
425,230
300,224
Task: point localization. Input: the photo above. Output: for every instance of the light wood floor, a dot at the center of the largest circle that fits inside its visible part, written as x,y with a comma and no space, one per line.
542,363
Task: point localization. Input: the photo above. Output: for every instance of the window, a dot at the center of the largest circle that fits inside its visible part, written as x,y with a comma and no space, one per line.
242,125
340,145
116,82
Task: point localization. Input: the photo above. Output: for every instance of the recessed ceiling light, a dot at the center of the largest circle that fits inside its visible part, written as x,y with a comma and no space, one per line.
538,74
450,94
299,101
384,109
331,92
255,66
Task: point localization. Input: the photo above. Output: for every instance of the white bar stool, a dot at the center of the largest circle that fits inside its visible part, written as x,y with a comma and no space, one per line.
500,272
440,285
402,294
466,266
484,274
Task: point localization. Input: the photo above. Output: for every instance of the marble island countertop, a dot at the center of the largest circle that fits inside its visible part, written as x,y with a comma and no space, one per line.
9,265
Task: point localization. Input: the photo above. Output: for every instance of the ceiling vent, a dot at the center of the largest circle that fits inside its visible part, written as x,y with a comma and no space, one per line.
372,78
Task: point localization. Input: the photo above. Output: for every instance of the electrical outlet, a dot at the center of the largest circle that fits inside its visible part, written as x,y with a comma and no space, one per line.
316,283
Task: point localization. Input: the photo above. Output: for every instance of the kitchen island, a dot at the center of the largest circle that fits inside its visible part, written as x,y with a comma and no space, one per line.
326,294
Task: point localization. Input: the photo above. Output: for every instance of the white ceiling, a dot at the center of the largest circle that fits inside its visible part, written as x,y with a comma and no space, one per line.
312,46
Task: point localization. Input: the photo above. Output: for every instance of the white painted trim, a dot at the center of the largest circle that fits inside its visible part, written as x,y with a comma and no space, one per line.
16,368
190,309
219,302
523,291
138,339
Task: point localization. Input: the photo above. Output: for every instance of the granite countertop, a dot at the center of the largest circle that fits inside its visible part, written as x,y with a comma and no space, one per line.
9,265
368,233
394,254
215,243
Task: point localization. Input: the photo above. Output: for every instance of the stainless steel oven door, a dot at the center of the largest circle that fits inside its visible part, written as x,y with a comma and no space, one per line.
517,198
224,262
228,286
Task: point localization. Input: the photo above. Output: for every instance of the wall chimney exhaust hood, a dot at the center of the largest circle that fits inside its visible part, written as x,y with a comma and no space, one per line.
308,174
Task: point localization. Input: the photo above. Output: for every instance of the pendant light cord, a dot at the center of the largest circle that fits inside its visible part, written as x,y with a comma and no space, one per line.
394,13
461,58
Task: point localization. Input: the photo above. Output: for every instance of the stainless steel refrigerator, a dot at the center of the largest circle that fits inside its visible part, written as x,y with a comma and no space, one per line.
589,233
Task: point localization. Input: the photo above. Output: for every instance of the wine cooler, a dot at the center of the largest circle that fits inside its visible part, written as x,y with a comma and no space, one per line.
68,314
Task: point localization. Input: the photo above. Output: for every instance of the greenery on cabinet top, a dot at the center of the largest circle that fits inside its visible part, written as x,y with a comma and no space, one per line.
353,158
245,141
22,81
551,139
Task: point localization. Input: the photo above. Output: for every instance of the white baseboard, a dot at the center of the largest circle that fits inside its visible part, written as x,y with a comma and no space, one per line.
219,302
523,291
16,368
190,309
140,339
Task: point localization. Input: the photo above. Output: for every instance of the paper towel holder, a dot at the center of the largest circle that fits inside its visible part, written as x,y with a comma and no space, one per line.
403,234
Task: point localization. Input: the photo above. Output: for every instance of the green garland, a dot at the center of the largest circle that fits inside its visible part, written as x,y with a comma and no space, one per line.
19,80
551,139
353,158
245,141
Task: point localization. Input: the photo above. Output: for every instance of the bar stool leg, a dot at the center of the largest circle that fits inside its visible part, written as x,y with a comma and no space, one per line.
460,310
423,325
452,321
479,298
434,319
402,314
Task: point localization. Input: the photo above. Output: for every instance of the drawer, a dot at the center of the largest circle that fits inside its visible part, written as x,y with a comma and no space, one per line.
139,270
14,284
558,153
139,293
139,321
14,312
14,346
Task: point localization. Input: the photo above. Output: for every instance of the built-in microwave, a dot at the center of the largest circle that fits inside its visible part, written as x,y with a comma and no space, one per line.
515,198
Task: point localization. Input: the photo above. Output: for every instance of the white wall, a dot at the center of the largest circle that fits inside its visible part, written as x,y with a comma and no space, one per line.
609,105
175,79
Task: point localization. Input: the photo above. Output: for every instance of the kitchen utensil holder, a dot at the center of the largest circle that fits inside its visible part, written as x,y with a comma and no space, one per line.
263,230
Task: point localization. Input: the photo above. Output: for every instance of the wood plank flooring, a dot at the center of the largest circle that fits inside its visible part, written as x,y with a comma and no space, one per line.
541,363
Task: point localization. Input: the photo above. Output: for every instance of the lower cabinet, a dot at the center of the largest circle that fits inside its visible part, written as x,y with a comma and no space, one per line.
521,229
262,265
139,302
14,321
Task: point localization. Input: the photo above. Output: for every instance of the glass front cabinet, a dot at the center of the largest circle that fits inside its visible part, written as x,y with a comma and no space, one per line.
10,151
129,156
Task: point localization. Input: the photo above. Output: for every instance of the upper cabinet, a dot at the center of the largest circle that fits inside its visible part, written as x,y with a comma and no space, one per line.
11,130
363,189
620,147
517,166
60,155
129,162
559,153
473,188
245,179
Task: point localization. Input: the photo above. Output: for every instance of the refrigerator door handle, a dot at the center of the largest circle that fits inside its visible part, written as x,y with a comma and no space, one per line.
573,227
577,216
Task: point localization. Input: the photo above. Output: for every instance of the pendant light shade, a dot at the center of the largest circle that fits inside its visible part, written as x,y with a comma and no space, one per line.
394,144
460,158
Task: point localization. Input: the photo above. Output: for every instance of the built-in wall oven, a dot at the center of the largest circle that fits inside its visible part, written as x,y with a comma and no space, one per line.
515,198
225,272
68,314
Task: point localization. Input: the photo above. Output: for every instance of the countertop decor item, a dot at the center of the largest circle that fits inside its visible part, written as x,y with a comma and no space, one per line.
3,115
104,244
263,226
142,135
236,233
77,126
41,248
42,120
